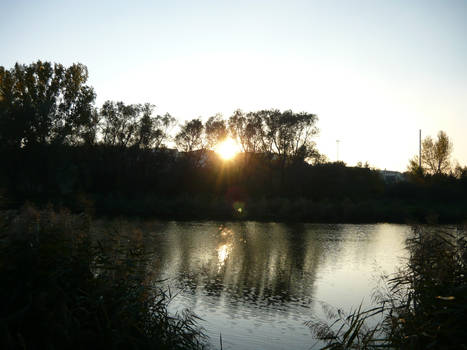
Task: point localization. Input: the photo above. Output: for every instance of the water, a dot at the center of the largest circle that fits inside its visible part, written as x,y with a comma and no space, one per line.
257,283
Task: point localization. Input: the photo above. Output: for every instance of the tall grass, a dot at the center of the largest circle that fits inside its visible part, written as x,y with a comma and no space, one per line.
63,290
422,306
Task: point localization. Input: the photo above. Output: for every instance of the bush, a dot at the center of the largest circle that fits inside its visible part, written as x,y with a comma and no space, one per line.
62,289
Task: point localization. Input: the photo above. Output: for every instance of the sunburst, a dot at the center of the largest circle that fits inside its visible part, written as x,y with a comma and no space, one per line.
227,149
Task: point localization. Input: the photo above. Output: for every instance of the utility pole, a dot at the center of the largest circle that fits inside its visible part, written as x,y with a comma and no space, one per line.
337,147
420,148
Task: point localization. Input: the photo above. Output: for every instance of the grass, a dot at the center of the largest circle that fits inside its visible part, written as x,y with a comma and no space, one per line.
62,289
423,306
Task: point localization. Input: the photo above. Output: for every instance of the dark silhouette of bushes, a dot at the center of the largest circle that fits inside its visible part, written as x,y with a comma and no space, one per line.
63,289
111,180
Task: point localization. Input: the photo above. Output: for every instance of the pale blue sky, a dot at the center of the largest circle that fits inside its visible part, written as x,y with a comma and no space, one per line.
374,71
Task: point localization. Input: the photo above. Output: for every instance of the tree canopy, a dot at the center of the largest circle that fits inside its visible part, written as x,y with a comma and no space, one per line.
190,136
46,103
436,156
134,125
215,130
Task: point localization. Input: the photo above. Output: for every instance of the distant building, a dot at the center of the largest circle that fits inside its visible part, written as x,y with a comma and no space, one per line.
390,176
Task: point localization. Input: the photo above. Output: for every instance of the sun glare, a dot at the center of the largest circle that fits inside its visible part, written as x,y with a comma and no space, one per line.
227,149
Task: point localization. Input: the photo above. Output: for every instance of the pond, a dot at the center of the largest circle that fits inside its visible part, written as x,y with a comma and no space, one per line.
256,284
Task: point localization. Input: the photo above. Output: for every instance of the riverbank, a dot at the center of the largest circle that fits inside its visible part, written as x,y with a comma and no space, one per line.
263,209
113,181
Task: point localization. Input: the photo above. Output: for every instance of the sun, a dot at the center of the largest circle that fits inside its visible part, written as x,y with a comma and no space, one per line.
227,149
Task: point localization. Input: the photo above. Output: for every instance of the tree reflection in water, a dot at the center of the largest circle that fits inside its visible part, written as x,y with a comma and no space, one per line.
241,276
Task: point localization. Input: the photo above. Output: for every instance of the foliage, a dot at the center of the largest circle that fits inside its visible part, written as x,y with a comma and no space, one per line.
63,289
247,129
160,131
289,134
45,103
430,292
133,125
215,131
120,123
154,132
190,136
460,172
285,134
110,180
349,330
435,156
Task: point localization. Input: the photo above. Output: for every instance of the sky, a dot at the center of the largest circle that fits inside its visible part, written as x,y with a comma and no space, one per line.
375,71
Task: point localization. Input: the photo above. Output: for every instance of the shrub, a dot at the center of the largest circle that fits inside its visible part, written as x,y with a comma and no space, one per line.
63,289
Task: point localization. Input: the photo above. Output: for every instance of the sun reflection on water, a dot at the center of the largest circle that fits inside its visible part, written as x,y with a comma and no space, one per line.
225,247
223,253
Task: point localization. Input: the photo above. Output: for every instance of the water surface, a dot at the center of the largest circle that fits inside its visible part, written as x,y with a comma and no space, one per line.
257,283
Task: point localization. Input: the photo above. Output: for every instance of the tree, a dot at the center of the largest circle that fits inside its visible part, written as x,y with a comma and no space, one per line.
45,103
146,128
120,123
285,135
154,131
190,136
163,124
460,172
289,135
90,130
215,130
247,129
435,156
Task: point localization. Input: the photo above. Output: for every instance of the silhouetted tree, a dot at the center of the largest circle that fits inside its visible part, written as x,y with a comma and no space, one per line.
119,123
460,172
163,125
289,135
190,136
133,125
365,165
247,129
154,131
45,103
319,159
435,156
215,130
146,133
90,130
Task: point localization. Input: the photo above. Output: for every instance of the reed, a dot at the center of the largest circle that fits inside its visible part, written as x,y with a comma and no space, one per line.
62,289
422,306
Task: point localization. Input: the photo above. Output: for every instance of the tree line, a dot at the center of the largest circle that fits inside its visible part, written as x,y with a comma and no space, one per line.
45,103
57,146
